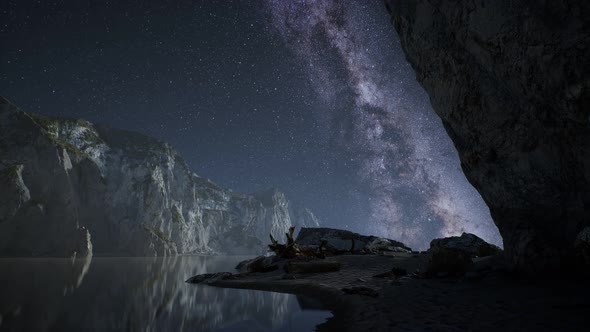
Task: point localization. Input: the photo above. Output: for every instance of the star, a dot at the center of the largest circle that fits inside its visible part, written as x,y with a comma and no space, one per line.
312,97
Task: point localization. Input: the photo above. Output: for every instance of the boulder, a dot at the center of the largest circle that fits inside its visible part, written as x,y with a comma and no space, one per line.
379,244
454,254
338,241
469,243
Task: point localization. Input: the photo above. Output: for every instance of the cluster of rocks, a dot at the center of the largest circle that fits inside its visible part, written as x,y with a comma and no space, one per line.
466,255
306,253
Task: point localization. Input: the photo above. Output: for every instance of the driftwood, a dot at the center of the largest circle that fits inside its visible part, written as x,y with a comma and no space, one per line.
291,249
288,250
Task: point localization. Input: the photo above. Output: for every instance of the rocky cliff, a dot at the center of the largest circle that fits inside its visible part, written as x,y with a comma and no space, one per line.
73,188
511,82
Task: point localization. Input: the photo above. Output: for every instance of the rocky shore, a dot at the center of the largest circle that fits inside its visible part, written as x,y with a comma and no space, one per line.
412,291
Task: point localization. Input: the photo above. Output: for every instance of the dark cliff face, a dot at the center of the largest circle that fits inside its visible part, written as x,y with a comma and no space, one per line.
511,83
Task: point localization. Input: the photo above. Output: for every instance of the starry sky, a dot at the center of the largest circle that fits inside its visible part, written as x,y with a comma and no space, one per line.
314,98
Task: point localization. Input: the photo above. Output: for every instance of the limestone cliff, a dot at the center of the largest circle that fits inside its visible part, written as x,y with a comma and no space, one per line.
71,187
511,83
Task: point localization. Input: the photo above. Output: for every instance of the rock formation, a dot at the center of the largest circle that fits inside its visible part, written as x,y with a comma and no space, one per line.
72,188
469,243
511,82
337,241
455,254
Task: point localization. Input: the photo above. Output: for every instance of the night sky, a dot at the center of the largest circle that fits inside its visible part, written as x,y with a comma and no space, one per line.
312,97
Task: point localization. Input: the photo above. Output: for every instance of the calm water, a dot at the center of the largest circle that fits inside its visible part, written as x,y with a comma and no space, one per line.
140,294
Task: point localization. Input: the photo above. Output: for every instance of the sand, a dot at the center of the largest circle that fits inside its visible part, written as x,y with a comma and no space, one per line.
495,301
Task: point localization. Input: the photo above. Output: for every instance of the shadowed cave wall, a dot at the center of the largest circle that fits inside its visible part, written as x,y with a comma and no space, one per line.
510,81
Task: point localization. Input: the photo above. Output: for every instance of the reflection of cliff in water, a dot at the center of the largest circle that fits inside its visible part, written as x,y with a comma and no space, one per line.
131,294
33,290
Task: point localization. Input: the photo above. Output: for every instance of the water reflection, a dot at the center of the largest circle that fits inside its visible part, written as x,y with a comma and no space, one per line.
139,294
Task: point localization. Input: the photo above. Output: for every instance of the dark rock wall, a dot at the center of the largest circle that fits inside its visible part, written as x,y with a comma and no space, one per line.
511,82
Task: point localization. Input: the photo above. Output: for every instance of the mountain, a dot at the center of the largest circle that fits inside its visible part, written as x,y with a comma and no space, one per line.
70,187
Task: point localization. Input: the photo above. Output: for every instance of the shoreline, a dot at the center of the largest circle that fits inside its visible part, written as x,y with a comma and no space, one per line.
492,301
328,297
326,288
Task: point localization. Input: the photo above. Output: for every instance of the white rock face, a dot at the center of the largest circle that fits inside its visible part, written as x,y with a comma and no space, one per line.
303,217
70,181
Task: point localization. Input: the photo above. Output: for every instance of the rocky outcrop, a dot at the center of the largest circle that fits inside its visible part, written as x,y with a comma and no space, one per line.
336,241
469,243
70,187
511,82
454,254
259,264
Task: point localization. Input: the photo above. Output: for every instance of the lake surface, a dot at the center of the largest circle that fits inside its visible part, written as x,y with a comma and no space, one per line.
140,294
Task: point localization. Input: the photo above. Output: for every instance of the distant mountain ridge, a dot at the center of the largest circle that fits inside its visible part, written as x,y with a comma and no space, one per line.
70,187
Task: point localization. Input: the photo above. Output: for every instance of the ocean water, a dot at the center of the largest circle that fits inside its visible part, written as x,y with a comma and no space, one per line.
140,294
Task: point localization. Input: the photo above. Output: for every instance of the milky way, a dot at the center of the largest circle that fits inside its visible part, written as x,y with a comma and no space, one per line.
377,112
312,97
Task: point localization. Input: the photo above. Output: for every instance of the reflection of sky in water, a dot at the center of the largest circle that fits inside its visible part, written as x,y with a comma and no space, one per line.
139,294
